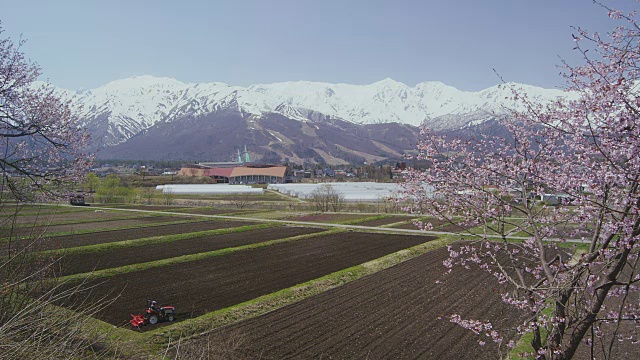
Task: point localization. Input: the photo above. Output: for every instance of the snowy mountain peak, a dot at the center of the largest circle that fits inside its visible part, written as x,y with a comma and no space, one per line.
388,82
123,108
143,81
429,86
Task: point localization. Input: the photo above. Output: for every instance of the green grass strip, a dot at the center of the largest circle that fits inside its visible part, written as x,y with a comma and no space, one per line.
183,259
206,323
523,345
154,240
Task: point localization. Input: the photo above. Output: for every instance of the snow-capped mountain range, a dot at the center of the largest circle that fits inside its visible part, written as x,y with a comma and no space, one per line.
128,117
137,103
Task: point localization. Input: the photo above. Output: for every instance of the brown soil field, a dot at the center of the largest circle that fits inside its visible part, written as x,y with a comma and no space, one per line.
567,232
385,221
77,216
8,211
449,228
411,226
213,211
619,349
81,263
201,286
90,226
144,207
393,314
408,226
109,224
328,218
99,237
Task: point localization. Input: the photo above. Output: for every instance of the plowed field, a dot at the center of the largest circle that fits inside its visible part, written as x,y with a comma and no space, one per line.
213,211
73,264
390,315
449,228
99,237
202,286
11,207
434,222
77,216
328,218
384,221
146,207
101,225
40,210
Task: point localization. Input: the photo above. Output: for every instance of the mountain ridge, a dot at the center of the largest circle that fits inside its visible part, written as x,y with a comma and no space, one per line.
127,113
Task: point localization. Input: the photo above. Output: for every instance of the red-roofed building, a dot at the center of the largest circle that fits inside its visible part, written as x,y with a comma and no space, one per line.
235,173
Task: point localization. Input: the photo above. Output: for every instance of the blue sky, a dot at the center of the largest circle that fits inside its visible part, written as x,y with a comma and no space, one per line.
84,44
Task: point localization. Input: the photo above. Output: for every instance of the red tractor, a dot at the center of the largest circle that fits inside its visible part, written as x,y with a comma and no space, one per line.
153,314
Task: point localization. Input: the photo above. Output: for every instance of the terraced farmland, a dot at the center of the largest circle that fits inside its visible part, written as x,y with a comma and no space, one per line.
86,262
87,225
328,218
384,221
73,217
107,236
394,314
207,266
201,286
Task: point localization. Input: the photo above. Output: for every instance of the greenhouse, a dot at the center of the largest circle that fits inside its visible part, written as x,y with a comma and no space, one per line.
351,191
209,189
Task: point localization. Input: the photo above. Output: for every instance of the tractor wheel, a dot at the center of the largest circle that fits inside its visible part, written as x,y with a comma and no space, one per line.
170,318
153,319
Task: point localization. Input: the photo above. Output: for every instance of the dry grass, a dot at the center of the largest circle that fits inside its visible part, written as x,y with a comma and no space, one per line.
214,347
31,326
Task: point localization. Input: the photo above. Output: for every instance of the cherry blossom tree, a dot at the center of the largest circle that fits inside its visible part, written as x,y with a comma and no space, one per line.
41,140
583,152
41,144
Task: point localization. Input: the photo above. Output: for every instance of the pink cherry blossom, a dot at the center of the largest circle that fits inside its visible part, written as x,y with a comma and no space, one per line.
583,149
41,138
